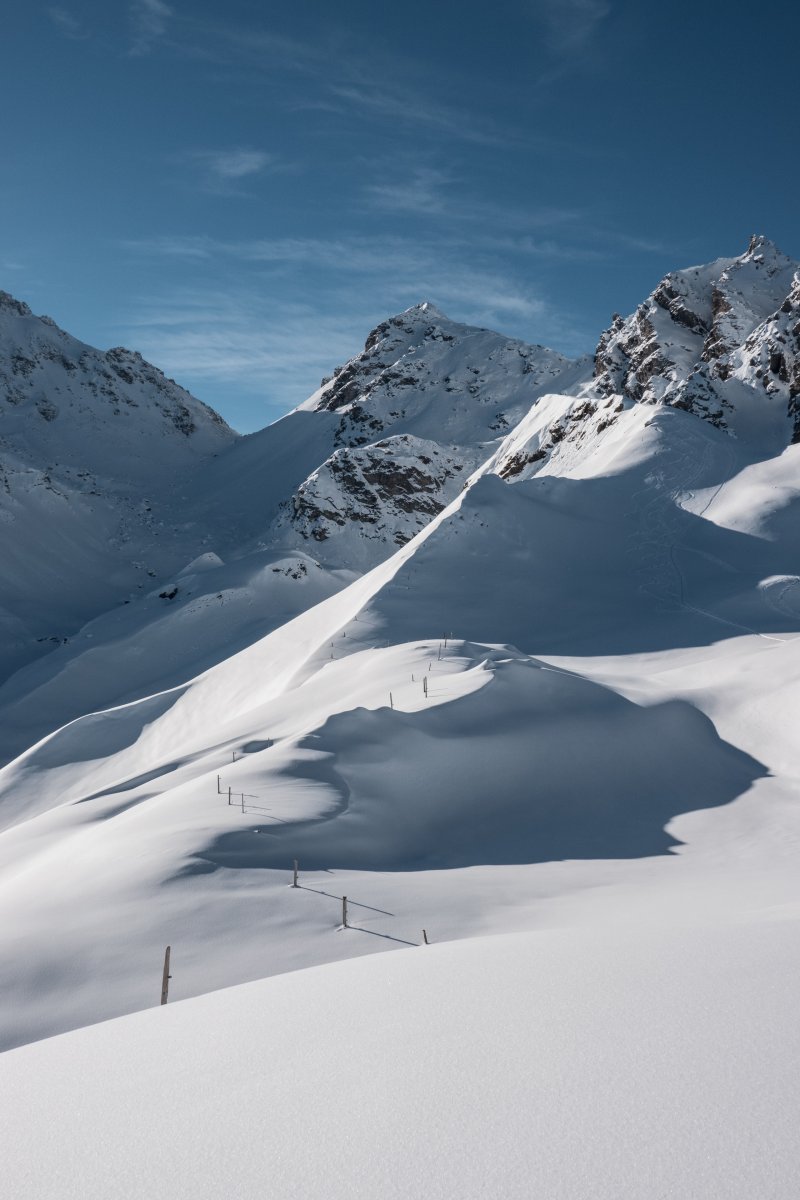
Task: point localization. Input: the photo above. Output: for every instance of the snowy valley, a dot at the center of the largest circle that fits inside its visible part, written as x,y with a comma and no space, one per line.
498,645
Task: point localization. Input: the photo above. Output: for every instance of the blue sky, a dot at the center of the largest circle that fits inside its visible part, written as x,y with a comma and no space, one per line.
242,190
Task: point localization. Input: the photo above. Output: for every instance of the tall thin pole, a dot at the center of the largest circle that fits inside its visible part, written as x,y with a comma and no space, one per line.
344,912
165,978
294,880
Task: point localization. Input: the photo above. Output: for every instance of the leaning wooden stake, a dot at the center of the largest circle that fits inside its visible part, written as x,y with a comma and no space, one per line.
294,874
425,685
391,701
219,786
425,936
165,978
344,912
229,795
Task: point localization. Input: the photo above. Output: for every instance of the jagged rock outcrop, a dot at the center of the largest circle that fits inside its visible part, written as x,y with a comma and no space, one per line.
702,328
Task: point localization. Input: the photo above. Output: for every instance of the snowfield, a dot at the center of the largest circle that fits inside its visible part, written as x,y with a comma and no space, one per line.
501,648
605,1067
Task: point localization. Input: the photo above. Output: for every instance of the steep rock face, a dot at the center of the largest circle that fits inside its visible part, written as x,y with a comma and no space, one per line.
770,357
367,500
700,328
420,408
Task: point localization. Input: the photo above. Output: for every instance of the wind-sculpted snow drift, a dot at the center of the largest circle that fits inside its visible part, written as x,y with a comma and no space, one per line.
488,640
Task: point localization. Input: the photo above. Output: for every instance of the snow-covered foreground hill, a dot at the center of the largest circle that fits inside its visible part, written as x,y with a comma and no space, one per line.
537,675
614,1066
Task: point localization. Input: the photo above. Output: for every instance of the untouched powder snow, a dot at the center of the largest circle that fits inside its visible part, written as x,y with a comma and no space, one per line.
560,1065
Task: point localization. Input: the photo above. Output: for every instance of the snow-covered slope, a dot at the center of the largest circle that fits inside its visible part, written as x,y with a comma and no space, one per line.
544,679
617,1065
126,480
91,447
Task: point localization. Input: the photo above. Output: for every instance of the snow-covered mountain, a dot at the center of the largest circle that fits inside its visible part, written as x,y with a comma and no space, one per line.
489,641
712,340
142,482
92,445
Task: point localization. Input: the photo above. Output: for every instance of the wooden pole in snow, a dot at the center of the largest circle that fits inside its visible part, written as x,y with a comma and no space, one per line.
344,912
425,686
242,801
294,876
229,795
165,978
391,701
219,786
425,936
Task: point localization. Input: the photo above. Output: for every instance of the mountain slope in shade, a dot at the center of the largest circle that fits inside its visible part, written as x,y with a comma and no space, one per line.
92,448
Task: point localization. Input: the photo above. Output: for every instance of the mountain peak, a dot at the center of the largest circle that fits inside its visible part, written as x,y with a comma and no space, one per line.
761,245
424,309
17,308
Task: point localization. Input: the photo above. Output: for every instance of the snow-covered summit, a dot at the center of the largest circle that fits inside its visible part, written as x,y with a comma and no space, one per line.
109,413
709,339
424,404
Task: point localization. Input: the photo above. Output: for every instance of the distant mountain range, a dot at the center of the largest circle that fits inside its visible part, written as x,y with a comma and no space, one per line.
473,606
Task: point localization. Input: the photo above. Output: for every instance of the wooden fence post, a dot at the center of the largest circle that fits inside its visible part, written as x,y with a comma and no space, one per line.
344,912
242,801
219,788
294,878
425,686
165,978
229,795
425,936
391,701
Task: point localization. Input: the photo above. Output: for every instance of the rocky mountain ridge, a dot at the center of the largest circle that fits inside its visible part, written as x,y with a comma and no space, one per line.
120,479
708,335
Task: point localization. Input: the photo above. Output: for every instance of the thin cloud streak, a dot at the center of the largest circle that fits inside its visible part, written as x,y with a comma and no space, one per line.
148,20
570,25
68,24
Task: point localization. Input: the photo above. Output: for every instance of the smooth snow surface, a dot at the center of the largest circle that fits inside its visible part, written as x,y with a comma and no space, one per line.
610,1067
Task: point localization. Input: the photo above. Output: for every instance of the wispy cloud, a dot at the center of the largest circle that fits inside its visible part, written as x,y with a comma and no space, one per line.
68,24
420,191
382,100
237,338
235,164
148,19
570,24
225,172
